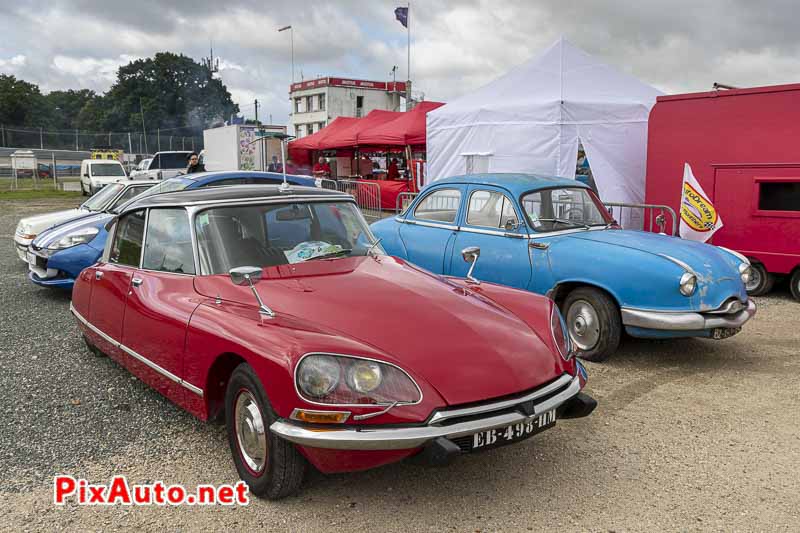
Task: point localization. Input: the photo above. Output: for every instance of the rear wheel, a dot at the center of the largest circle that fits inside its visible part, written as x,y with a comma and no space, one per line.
794,284
593,322
92,348
760,282
270,466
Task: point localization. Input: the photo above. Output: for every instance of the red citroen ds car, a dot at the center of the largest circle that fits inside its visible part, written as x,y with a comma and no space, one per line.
275,308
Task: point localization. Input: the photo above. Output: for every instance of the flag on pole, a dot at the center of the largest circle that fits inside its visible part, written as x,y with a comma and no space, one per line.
699,218
401,14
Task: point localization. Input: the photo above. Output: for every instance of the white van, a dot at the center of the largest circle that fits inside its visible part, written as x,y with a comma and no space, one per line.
97,173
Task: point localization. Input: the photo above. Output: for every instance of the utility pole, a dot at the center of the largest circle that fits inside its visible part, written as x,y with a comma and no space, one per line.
130,144
144,132
409,105
291,33
256,104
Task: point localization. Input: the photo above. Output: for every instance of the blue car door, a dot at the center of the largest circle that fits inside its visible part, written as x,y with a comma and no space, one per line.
429,229
492,222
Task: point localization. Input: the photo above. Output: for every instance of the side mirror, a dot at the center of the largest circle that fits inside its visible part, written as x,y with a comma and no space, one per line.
471,255
511,225
247,275
85,174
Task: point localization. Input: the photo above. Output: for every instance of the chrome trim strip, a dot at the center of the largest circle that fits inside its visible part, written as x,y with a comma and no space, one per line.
680,263
498,233
432,224
349,356
537,234
441,416
685,321
739,256
407,437
246,201
141,358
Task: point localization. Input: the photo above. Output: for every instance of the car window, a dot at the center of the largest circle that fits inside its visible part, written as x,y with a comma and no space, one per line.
107,169
563,208
129,193
490,209
173,160
168,246
228,181
279,234
99,201
127,246
440,206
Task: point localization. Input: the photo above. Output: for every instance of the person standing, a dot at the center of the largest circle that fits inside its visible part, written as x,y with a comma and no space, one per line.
274,166
321,169
194,164
393,173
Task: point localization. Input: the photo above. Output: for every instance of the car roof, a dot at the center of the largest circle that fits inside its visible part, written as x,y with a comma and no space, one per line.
224,174
232,193
516,183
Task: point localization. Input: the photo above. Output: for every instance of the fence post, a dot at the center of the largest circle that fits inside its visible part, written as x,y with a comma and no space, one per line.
170,143
158,138
41,139
76,140
3,129
55,179
192,144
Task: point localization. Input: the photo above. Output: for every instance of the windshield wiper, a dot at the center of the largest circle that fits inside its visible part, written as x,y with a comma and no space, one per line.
564,221
332,254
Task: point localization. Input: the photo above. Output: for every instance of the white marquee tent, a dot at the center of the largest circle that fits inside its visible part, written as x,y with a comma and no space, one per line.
531,120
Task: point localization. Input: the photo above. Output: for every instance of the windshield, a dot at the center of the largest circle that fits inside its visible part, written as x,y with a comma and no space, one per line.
100,200
132,192
170,185
173,159
107,169
143,164
564,208
279,234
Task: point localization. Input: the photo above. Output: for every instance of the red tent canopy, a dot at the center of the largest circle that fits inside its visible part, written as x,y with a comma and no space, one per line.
350,137
407,129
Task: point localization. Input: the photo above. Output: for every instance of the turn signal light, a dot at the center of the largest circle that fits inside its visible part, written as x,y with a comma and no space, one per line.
320,417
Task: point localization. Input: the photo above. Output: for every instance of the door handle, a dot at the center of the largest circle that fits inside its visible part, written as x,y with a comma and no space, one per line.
98,274
539,245
136,282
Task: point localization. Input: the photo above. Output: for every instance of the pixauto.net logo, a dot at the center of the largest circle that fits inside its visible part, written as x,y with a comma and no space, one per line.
120,492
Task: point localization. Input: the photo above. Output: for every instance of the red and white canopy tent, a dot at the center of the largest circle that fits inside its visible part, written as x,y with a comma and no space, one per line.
386,131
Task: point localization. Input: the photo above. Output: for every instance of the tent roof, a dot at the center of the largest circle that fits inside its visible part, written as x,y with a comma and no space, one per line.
312,142
562,85
407,129
349,136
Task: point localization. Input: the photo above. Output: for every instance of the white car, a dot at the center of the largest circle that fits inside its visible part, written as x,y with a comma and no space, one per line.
165,165
141,168
97,173
110,197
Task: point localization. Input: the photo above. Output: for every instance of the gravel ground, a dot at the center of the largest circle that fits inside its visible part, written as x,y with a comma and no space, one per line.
689,435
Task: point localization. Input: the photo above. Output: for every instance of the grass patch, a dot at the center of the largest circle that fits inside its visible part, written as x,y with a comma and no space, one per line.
31,194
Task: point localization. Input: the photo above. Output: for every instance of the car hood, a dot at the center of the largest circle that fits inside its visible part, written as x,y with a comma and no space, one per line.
464,345
54,234
716,269
38,223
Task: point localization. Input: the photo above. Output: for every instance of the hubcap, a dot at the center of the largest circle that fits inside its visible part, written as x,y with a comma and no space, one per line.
250,432
755,280
583,324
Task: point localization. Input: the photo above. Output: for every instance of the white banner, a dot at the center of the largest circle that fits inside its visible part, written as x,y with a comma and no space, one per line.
699,218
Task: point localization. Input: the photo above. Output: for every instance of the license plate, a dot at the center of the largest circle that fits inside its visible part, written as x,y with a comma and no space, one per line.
724,333
31,258
514,432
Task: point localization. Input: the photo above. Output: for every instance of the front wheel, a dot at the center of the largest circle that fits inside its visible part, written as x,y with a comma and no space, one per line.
593,322
760,281
270,466
83,189
794,284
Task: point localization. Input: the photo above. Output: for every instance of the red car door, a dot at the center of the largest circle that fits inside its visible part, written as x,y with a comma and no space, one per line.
112,281
160,302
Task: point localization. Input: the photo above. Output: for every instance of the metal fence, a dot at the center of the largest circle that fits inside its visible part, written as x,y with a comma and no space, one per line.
367,195
404,200
648,217
129,142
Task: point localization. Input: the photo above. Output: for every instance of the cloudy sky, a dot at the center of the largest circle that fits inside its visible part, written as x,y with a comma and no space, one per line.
458,45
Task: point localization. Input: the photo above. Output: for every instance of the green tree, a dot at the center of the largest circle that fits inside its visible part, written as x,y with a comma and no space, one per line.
173,90
21,103
64,107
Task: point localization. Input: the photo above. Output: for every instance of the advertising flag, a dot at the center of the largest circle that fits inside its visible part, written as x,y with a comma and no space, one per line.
401,14
699,218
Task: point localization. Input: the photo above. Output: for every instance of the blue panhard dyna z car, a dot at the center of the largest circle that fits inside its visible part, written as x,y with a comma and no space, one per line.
553,236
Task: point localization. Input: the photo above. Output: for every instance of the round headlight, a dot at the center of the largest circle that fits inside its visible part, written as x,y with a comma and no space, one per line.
364,376
318,375
688,284
745,272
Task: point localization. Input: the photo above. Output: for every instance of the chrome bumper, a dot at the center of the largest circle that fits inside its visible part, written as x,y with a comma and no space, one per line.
686,321
409,437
